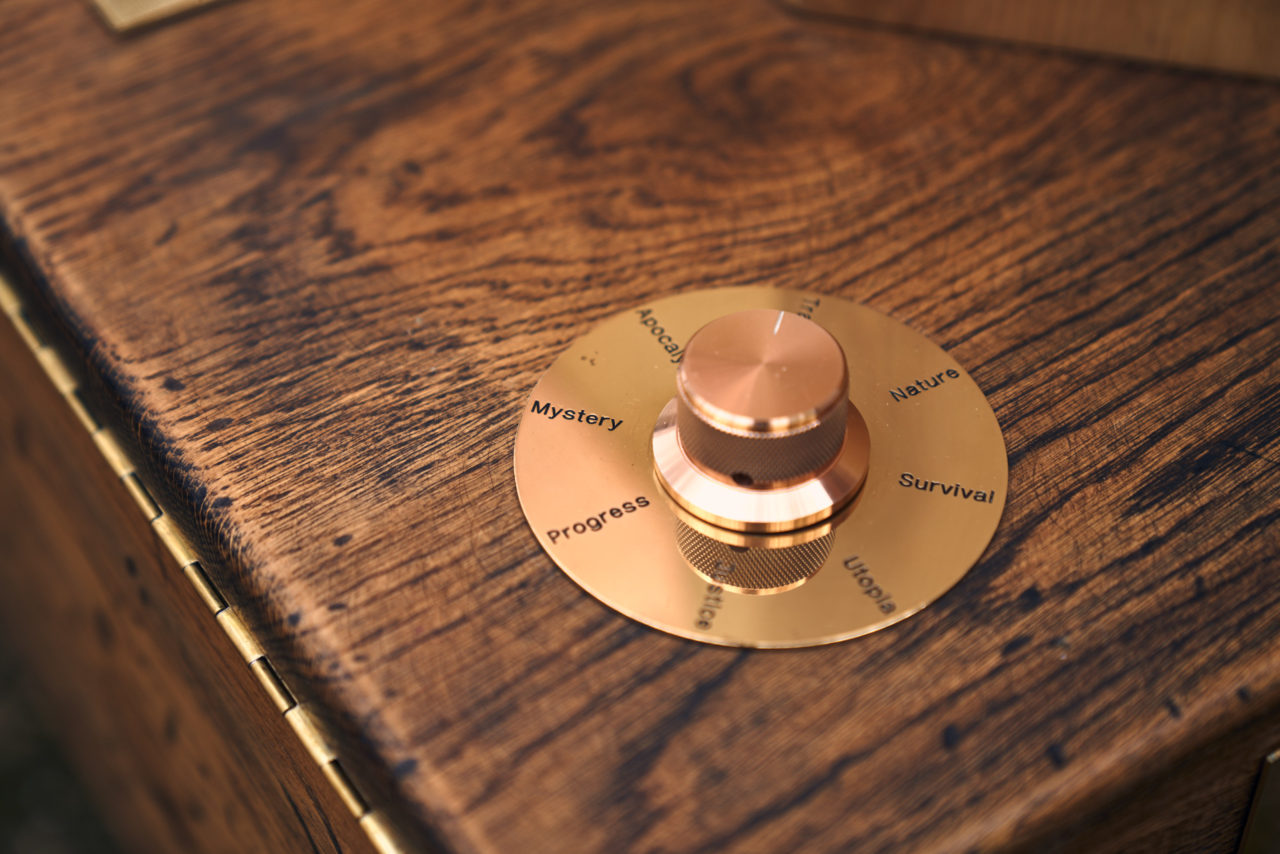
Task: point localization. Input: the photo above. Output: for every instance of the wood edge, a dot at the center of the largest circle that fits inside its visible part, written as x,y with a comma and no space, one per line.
382,833
1035,829
1254,838
824,11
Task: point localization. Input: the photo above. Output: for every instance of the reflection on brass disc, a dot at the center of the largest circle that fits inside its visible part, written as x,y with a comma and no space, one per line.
932,498
740,569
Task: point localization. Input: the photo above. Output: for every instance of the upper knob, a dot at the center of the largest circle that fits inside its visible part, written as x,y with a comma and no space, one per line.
762,398
761,436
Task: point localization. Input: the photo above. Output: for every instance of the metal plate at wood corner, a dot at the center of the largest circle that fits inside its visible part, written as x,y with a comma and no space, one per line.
124,15
897,550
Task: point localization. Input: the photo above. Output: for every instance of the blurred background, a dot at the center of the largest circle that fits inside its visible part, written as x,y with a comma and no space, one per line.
43,808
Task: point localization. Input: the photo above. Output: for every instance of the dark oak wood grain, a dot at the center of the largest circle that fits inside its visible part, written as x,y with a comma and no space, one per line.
312,256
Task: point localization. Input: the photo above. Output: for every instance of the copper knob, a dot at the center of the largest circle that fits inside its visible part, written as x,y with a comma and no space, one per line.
761,435
762,398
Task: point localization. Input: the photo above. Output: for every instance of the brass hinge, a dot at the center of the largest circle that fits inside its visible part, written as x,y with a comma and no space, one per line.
306,725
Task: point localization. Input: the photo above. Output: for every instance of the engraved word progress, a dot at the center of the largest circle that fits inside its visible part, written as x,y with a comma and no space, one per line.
597,522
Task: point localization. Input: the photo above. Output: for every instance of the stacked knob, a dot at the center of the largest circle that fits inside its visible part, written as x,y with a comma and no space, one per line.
761,435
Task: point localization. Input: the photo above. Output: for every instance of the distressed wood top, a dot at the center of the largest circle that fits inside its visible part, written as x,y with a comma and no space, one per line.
317,253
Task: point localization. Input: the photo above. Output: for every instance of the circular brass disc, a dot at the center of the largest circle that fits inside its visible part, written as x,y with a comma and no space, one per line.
933,495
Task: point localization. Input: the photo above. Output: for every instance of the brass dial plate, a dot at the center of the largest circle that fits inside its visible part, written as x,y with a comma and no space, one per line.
933,495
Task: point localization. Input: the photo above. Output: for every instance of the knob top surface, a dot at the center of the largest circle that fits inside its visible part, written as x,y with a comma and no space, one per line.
763,371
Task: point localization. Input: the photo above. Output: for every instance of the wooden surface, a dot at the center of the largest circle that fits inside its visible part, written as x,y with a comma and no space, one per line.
165,721
314,254
1238,36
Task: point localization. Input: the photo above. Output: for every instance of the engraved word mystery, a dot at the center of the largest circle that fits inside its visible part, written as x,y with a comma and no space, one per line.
554,412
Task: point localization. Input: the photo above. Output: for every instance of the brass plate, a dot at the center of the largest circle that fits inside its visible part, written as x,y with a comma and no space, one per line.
584,473
127,14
